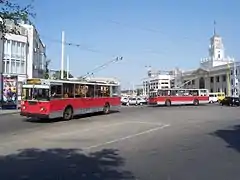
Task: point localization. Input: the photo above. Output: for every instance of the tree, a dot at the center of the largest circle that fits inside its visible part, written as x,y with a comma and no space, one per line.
46,69
57,75
139,91
15,12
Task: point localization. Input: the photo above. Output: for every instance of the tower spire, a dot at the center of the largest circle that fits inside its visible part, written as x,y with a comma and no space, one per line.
214,28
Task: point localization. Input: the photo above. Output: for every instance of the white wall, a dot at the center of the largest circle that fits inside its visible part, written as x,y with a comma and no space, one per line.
1,64
37,53
1,53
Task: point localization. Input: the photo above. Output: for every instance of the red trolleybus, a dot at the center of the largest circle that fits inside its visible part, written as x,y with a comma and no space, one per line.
44,98
170,97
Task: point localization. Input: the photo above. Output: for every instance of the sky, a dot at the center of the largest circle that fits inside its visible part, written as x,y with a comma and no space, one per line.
163,34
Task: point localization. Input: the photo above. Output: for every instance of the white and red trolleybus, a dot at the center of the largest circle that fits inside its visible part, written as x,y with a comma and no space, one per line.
170,97
44,98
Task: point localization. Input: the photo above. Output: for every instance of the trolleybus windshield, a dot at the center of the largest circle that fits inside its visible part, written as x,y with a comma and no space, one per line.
41,94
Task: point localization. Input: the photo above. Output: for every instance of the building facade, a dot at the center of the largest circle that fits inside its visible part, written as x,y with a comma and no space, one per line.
156,80
217,72
23,52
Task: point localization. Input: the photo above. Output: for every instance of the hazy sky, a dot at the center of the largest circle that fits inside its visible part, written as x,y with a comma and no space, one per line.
157,33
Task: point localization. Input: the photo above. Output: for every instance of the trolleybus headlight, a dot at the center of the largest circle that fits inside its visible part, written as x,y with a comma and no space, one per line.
42,109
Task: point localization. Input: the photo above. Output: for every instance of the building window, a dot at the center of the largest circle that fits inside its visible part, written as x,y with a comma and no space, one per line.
18,67
219,56
14,49
225,91
217,79
231,72
7,49
218,90
224,78
212,79
211,90
232,92
193,82
13,66
23,69
6,66
236,72
231,81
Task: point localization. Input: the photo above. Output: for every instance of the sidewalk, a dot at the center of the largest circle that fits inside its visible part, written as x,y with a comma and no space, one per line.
9,111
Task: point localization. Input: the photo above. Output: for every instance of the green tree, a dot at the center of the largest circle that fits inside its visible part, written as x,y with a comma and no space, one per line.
11,10
139,91
57,75
46,69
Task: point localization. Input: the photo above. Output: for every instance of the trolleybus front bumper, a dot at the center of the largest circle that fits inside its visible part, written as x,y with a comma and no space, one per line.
36,115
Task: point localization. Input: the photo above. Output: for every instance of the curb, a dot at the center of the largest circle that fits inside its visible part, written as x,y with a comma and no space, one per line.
9,113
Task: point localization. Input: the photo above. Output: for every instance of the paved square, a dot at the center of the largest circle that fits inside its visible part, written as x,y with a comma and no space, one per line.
182,142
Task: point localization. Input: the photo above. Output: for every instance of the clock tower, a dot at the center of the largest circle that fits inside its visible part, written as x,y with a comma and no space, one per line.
216,48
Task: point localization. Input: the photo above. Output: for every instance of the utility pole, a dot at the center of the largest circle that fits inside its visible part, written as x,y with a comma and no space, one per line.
67,67
62,60
228,79
133,90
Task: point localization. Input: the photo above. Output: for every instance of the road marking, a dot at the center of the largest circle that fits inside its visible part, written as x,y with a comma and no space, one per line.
85,130
127,137
48,135
100,128
146,122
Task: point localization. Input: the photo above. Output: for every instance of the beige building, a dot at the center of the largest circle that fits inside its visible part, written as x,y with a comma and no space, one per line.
217,72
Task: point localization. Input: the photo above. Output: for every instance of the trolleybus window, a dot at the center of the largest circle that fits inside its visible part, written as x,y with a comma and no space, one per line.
68,90
153,94
90,92
56,91
116,91
35,94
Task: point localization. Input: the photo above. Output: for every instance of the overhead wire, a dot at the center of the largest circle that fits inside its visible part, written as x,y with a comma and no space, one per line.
83,47
78,45
98,68
104,65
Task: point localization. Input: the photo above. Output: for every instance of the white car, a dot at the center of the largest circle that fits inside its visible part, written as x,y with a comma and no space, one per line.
124,100
136,101
213,98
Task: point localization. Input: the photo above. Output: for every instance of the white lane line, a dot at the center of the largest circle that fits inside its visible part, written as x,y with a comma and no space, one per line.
99,128
56,134
146,122
85,130
127,137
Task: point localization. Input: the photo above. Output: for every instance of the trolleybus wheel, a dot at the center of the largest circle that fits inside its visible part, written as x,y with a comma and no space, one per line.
196,102
68,114
168,103
106,109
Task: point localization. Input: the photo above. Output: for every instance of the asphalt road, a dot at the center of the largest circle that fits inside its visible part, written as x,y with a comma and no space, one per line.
143,143
12,124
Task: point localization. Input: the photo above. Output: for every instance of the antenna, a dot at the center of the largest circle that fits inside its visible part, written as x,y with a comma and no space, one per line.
214,28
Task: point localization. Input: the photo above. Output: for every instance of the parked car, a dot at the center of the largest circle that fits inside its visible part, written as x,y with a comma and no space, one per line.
230,101
124,100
